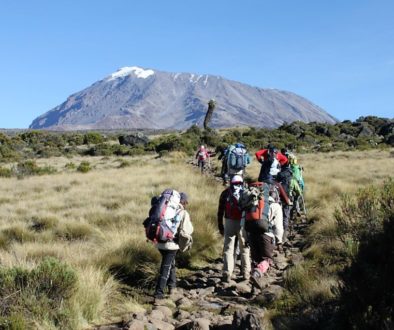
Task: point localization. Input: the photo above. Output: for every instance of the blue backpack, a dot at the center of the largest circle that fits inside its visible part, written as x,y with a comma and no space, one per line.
237,157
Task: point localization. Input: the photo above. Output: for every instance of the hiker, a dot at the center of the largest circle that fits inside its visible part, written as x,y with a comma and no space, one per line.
237,158
223,157
298,185
264,225
202,156
232,229
169,249
271,160
285,177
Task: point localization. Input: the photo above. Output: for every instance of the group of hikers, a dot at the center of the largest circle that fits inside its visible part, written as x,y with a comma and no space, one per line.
253,217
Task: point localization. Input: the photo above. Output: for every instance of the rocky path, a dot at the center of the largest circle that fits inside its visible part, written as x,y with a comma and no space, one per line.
203,301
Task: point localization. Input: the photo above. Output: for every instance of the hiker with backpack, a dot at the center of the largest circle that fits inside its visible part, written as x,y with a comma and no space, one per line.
271,161
264,224
202,156
231,229
284,178
170,228
298,185
223,157
236,158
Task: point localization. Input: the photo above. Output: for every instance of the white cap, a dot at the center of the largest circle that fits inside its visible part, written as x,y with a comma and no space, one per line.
237,179
202,147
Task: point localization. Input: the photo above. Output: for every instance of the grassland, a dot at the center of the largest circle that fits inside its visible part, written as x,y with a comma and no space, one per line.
92,223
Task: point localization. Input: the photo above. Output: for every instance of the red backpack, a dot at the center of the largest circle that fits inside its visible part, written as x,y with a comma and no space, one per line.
232,210
254,202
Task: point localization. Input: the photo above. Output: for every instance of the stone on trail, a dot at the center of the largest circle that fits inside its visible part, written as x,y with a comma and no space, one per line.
167,312
184,303
243,287
271,293
181,315
157,314
161,325
198,324
136,325
246,321
206,291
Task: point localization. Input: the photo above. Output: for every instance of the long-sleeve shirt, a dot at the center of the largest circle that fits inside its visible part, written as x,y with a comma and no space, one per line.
269,169
187,226
262,154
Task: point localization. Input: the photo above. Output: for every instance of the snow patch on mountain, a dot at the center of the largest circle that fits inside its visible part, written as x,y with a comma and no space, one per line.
128,70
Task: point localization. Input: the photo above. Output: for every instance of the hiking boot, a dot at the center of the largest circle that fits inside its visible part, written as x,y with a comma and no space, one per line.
258,279
245,277
159,299
226,278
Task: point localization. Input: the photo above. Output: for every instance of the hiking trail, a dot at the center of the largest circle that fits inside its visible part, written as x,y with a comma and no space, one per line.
202,302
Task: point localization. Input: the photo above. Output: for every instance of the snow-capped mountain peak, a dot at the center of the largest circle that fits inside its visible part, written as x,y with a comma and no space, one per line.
128,70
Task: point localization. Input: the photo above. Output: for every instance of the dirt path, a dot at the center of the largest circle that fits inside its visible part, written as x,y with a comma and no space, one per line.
202,301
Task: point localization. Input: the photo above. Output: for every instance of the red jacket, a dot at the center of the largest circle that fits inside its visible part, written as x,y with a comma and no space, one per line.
282,159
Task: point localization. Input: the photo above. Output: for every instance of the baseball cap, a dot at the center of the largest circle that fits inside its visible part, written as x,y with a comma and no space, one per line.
237,179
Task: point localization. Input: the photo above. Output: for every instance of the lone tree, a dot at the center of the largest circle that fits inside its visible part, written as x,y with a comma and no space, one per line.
208,116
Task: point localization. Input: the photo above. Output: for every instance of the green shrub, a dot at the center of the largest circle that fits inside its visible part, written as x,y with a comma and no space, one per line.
84,167
134,264
70,166
39,295
366,226
30,167
5,172
93,138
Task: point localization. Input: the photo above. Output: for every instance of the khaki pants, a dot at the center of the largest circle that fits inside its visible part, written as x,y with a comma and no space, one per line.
232,229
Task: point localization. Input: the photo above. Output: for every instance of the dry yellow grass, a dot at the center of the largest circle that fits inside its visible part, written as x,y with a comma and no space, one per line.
86,219
91,220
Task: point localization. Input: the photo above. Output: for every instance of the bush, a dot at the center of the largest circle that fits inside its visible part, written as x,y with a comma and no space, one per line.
70,166
84,167
366,225
134,264
93,138
30,167
34,296
5,172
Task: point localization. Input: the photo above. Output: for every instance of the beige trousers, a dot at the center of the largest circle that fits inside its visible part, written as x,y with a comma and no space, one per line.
232,229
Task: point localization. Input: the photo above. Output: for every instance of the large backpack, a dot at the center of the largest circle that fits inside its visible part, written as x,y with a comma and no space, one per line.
254,201
161,225
232,209
236,157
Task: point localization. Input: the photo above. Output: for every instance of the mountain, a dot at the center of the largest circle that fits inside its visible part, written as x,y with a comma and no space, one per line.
134,97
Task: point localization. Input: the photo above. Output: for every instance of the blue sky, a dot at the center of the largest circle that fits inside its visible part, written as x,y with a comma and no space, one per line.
338,54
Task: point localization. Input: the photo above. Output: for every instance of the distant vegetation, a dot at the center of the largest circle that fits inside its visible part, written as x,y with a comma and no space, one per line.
365,133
